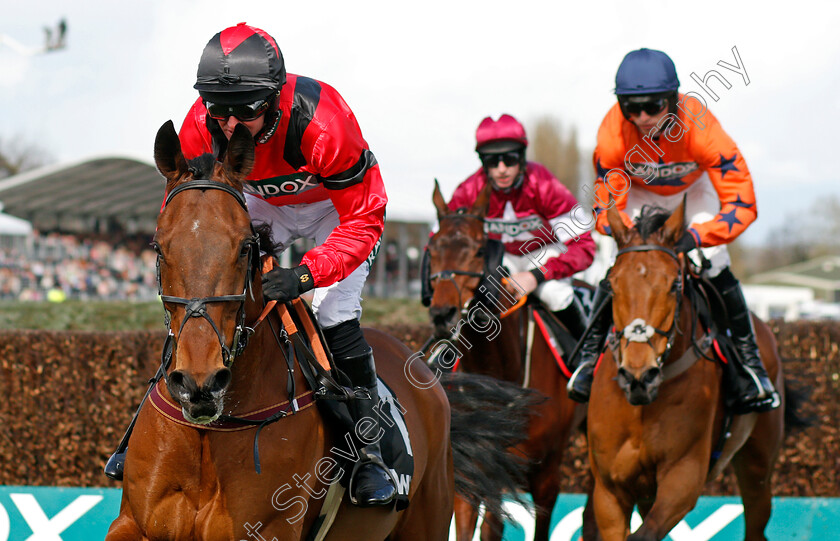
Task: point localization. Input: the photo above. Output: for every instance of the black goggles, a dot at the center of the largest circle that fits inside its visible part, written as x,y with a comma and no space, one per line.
509,158
242,111
651,107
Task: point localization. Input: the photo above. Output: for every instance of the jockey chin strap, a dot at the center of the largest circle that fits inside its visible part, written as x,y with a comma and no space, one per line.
196,307
640,330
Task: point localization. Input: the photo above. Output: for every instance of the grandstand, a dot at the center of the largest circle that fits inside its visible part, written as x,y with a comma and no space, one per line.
88,216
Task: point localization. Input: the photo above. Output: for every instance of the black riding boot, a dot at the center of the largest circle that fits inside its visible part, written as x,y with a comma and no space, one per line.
589,349
370,483
754,388
573,318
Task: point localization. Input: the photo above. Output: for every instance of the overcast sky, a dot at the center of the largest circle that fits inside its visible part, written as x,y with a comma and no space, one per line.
421,76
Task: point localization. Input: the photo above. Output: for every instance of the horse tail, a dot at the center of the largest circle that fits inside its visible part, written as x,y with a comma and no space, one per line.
489,418
797,396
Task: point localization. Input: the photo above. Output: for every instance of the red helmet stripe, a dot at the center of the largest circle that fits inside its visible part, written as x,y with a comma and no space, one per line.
232,37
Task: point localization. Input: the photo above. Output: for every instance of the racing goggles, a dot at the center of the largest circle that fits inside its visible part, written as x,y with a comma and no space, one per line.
242,111
509,158
651,107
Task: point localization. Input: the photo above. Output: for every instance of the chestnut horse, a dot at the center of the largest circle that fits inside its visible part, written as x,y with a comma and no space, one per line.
186,482
492,339
656,413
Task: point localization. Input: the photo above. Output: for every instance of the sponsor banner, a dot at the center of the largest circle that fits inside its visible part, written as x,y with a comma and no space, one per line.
715,518
77,514
49,513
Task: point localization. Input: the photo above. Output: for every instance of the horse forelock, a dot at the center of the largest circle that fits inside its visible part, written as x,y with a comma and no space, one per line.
650,220
202,167
205,167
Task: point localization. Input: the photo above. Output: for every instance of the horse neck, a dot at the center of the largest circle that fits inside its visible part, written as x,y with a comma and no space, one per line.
260,373
687,323
495,350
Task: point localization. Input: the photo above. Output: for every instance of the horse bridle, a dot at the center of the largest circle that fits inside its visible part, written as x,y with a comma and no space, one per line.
196,307
448,274
640,330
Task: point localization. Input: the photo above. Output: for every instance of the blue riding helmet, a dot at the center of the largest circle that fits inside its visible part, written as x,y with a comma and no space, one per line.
646,71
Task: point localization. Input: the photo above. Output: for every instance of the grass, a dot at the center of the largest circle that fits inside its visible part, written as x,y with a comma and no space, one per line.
133,316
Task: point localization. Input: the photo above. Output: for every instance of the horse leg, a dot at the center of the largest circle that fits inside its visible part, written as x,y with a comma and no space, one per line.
124,528
753,466
492,527
466,517
676,494
612,514
545,484
589,531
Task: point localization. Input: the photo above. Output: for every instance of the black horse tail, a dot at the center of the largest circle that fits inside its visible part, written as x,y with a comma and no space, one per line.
489,420
797,396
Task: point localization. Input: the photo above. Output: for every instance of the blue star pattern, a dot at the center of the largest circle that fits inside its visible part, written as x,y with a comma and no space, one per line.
730,218
600,171
740,204
727,164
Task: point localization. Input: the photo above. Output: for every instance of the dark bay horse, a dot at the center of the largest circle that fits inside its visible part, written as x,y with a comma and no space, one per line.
187,482
492,338
657,412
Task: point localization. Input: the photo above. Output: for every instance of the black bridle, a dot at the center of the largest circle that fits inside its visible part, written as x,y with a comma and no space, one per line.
641,331
450,274
196,307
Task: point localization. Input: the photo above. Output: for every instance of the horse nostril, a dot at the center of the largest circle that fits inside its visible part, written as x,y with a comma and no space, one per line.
181,386
218,381
441,315
651,375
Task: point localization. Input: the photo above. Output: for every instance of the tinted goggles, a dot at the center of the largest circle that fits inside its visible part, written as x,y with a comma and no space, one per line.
509,158
651,107
242,111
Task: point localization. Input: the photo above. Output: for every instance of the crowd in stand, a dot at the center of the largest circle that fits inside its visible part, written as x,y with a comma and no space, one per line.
58,266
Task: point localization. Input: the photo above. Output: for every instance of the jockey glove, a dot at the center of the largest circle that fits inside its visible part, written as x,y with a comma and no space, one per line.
283,285
685,244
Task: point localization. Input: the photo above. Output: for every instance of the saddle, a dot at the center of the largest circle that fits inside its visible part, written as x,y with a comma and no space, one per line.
333,392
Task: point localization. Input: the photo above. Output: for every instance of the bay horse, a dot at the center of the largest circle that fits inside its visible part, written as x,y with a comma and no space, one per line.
491,337
187,481
657,410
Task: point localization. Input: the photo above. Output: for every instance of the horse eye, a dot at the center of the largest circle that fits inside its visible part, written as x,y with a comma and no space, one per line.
243,252
156,248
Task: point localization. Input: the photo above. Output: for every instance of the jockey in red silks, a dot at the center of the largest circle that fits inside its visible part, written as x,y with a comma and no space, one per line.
670,147
531,212
313,177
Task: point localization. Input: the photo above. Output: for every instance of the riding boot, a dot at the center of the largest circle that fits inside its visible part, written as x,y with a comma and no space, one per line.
371,482
753,386
573,318
589,348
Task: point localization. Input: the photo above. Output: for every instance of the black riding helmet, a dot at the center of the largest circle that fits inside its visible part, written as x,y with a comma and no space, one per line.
242,64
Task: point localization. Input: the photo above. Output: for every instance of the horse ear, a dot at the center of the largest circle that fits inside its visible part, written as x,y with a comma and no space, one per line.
674,226
239,158
619,230
168,157
439,201
482,201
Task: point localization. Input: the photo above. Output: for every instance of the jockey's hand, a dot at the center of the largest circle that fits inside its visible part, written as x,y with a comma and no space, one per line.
524,283
685,244
283,285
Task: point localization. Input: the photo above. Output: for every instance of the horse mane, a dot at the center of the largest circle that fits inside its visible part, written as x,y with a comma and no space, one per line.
650,219
266,239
